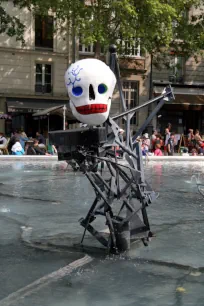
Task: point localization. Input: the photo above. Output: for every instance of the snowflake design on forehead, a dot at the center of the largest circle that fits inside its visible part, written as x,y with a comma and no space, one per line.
74,76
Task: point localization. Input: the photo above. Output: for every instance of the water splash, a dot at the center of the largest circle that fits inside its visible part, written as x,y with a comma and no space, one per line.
5,210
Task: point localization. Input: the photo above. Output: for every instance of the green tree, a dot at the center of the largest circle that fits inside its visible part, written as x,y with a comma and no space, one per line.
10,25
157,24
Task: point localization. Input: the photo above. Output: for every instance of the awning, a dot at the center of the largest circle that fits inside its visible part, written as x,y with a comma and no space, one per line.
188,96
47,111
181,90
58,110
23,105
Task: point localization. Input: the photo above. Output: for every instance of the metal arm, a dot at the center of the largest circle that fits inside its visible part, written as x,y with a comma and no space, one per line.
168,95
127,114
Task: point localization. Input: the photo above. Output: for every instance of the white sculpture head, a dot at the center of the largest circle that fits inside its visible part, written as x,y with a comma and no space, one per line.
90,84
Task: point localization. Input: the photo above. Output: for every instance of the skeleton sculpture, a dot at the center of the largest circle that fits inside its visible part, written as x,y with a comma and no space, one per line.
122,194
90,84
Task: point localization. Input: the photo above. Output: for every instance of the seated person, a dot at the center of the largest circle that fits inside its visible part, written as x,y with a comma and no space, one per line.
14,137
185,152
17,148
52,149
194,152
198,139
36,149
190,135
41,140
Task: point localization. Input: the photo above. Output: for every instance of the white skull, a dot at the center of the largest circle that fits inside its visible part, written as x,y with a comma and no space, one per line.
90,84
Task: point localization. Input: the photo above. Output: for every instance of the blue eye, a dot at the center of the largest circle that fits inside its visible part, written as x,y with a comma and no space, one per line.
102,88
77,91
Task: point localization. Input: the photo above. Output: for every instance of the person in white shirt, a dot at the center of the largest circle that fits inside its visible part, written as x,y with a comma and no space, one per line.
17,148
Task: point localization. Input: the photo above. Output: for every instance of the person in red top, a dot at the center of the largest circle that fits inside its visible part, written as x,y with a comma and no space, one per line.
158,145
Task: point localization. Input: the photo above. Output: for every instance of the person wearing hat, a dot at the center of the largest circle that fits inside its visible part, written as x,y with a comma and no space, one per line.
145,144
146,140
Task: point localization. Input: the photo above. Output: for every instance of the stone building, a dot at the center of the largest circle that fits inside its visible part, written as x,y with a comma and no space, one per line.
186,76
187,80
32,76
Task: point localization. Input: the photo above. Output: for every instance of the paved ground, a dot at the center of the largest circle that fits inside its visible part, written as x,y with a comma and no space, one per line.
40,205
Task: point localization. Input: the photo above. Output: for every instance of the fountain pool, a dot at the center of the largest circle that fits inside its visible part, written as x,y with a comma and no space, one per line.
40,204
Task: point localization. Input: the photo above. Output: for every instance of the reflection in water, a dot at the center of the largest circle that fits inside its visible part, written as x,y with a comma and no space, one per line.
158,172
18,165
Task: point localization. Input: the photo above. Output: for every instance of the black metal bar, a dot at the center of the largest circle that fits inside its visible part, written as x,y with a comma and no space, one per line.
113,244
128,118
88,175
96,234
117,175
126,149
126,186
134,109
115,68
117,71
88,217
145,217
149,119
103,181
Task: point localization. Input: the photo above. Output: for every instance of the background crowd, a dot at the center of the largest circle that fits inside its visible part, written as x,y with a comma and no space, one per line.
168,144
20,144
156,144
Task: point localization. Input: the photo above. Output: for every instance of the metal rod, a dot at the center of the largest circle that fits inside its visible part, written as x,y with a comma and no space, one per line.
88,217
140,106
128,130
149,119
48,122
117,72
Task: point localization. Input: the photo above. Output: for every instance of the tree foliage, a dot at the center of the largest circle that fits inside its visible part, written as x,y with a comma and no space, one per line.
10,25
157,24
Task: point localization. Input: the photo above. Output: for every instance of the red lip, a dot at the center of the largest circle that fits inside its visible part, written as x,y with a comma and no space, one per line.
92,109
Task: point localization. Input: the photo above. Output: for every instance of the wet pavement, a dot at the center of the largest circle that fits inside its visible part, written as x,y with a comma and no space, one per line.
40,205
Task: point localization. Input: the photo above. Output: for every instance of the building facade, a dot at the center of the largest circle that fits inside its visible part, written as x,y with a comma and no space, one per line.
186,77
32,76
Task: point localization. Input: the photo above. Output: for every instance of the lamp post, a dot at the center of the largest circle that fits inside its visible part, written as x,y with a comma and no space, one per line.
150,126
64,117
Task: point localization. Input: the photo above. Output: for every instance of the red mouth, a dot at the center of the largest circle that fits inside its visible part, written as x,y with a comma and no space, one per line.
92,109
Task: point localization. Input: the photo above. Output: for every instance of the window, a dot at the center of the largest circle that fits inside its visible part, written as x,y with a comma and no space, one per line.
130,48
90,49
44,32
86,48
43,78
131,95
176,69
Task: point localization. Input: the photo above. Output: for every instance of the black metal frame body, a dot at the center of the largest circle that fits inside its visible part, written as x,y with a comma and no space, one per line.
122,194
